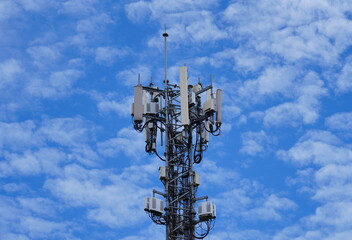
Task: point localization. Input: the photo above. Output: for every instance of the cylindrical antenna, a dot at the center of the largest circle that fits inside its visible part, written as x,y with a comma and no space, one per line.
165,35
139,79
151,81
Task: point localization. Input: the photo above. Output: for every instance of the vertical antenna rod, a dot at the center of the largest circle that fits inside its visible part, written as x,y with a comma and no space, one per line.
167,123
165,35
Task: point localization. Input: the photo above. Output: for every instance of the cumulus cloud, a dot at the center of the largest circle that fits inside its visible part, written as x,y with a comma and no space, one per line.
270,209
93,24
78,6
42,161
8,9
18,135
214,174
319,150
24,219
305,109
186,20
58,84
122,108
254,143
35,5
108,55
10,70
66,131
248,201
344,80
138,11
127,141
129,77
294,30
329,184
43,55
340,121
112,200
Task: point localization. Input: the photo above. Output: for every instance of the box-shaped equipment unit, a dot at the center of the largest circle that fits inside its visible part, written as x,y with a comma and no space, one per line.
154,205
206,211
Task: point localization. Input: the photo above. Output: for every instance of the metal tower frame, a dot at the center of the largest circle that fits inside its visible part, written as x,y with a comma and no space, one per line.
183,122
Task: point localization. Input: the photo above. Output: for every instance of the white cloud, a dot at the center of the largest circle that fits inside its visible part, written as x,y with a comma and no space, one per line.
320,151
43,55
306,107
14,187
294,30
187,21
271,209
35,5
153,231
37,227
212,174
38,205
158,8
344,80
78,6
122,108
10,70
111,199
329,182
249,201
129,77
8,9
71,132
254,143
191,27
273,82
19,221
340,121
234,233
93,24
138,11
128,141
108,55
18,136
58,84
24,146
45,160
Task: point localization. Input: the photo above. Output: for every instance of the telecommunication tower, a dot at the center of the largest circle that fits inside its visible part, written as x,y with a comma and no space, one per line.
182,120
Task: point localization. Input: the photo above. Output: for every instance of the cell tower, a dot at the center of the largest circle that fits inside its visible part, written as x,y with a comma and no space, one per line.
178,116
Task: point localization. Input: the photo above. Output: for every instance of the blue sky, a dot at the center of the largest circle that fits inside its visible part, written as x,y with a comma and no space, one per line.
72,167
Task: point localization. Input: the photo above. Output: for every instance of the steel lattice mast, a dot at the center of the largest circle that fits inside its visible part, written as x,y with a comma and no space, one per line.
178,116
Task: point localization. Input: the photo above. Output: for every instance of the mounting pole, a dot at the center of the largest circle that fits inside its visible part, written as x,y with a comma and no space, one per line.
166,87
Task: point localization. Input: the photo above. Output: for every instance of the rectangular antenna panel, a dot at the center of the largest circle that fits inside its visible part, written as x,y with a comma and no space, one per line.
162,173
154,205
184,96
205,133
192,98
138,104
219,106
196,179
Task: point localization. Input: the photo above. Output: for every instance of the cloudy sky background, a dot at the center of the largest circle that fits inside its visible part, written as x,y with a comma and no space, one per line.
72,167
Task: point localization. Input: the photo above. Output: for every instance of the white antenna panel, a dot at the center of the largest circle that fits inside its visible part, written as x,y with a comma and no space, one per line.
137,106
184,96
219,106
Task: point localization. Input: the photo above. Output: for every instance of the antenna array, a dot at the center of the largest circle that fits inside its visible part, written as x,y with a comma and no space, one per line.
181,119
